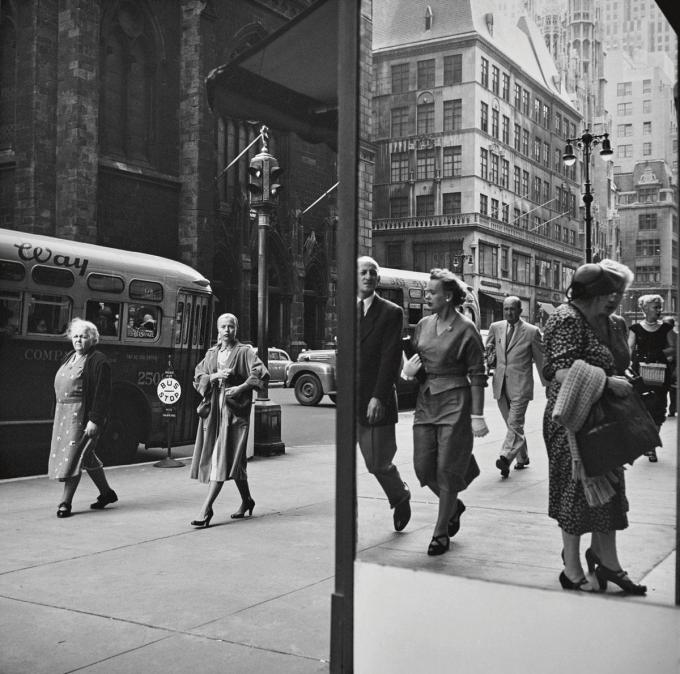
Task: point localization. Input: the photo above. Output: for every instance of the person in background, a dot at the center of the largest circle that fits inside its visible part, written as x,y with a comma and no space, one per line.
380,328
585,330
671,356
649,341
227,374
513,346
83,391
450,406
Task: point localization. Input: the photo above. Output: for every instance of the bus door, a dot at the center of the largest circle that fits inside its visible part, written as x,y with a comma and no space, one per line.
190,341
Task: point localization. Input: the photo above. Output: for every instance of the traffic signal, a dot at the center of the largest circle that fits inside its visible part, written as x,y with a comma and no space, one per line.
256,183
274,185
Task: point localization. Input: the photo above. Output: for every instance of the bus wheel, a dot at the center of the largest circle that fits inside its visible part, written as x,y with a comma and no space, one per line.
308,390
333,397
118,446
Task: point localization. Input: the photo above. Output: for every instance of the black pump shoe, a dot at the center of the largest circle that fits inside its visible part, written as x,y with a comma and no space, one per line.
104,499
205,522
592,560
437,546
619,578
64,509
568,584
246,507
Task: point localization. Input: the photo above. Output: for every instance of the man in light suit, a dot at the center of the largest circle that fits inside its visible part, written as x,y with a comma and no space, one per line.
380,328
512,347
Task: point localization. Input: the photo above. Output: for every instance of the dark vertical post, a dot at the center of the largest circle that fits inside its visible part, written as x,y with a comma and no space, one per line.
262,294
342,603
587,196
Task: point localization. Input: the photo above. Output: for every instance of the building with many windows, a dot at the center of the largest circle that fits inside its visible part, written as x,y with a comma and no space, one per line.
648,208
469,129
640,100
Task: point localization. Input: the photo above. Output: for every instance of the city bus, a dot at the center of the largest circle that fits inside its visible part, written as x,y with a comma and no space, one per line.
407,289
154,315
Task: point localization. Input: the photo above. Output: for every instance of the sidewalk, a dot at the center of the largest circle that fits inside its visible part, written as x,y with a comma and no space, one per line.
135,588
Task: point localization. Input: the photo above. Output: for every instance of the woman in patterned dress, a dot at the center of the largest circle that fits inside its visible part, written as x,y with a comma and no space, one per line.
228,374
585,329
83,392
647,341
450,406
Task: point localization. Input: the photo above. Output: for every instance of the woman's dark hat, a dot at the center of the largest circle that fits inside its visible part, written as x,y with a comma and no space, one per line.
598,280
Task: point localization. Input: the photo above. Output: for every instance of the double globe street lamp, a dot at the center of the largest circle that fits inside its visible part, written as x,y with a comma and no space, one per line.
584,143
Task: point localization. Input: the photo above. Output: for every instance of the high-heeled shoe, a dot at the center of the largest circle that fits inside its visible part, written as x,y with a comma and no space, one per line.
246,507
619,578
592,560
437,546
64,509
454,522
205,522
579,585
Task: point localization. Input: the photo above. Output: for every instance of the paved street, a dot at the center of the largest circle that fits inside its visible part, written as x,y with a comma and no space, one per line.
135,588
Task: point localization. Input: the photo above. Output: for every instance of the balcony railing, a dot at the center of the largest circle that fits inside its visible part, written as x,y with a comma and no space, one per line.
467,220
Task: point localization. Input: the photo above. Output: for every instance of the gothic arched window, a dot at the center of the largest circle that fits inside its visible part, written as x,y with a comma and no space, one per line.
128,77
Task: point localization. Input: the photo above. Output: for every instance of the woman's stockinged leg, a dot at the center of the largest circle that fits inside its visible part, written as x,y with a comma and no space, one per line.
214,488
603,545
447,506
70,486
98,476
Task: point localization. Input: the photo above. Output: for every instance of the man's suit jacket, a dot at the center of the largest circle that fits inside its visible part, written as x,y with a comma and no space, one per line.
380,358
514,367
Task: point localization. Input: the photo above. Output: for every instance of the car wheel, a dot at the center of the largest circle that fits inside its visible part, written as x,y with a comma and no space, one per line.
333,397
308,390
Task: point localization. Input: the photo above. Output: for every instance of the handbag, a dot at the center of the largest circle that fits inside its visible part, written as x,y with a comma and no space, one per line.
203,409
616,431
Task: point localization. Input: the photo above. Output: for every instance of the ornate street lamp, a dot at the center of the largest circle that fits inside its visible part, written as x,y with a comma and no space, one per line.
584,143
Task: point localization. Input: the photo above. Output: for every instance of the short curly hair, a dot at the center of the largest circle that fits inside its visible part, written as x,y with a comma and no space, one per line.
89,327
451,284
644,300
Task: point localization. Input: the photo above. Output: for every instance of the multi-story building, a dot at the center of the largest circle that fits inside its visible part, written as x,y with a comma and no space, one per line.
637,24
469,130
640,100
648,208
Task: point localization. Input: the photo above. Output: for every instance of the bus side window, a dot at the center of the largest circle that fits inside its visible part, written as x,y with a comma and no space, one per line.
204,324
178,322
197,321
10,313
188,319
48,314
143,321
105,315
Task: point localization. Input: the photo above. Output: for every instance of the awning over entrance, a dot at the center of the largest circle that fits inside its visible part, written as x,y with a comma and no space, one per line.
289,81
547,307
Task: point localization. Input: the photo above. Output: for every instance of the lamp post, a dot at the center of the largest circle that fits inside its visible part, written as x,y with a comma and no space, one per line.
584,143
263,185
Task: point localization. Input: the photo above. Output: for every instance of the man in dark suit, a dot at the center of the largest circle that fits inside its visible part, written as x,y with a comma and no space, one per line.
379,363
513,346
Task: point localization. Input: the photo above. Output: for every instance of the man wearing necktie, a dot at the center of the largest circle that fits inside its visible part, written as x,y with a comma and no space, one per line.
512,347
380,328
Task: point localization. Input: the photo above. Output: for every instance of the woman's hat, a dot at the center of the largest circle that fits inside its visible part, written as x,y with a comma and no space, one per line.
598,280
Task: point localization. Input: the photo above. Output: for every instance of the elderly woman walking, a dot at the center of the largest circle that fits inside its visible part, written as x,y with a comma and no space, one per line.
83,394
583,339
227,376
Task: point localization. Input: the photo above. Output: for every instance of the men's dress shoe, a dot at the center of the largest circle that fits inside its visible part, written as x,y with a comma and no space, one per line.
521,465
503,465
402,514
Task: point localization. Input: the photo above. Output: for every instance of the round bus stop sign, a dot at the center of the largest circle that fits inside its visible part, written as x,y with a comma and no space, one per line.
169,391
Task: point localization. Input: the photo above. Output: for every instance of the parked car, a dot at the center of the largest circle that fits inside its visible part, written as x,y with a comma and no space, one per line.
279,361
313,376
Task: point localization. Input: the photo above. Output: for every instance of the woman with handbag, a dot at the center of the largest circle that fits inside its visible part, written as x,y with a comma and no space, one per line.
647,341
226,377
450,406
83,394
585,330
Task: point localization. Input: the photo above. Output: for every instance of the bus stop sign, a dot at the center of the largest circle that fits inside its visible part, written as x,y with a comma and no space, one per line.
169,391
